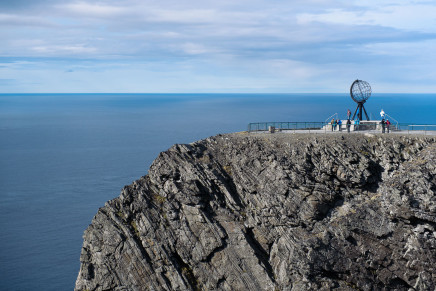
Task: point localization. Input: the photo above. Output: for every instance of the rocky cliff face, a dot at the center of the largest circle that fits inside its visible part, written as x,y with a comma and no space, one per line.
272,212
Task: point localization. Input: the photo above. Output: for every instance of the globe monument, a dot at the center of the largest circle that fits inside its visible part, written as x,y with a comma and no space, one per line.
360,91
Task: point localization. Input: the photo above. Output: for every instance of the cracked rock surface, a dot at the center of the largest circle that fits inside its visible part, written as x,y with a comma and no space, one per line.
272,212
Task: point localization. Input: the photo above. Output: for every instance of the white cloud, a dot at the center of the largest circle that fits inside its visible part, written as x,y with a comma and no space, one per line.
181,16
14,20
279,45
94,10
194,49
74,49
409,17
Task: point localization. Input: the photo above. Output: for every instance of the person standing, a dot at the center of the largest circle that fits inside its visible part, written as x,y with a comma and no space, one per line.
383,124
340,124
356,124
382,114
348,125
332,123
388,124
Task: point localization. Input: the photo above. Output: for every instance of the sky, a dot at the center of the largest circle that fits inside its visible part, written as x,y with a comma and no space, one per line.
226,46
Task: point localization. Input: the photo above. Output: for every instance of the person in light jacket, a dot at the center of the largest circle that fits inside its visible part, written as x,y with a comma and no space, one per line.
356,124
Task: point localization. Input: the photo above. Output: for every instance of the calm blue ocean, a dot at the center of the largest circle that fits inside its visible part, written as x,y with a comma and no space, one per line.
62,156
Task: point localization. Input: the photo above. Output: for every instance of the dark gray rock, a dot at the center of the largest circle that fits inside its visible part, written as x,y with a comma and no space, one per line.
272,212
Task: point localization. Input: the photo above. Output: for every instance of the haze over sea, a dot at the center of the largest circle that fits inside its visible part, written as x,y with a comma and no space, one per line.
62,156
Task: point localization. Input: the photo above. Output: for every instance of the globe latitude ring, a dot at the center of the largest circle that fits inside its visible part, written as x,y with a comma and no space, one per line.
360,91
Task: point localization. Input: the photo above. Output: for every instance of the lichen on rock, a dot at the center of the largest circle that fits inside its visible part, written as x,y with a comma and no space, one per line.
272,212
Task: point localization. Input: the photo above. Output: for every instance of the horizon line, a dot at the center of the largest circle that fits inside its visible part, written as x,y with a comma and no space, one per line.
199,93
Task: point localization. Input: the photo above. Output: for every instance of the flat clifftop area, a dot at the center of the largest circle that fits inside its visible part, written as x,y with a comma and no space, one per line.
272,212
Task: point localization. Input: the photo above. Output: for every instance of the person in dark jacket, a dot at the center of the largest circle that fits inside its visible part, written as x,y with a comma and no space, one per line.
383,124
388,124
348,125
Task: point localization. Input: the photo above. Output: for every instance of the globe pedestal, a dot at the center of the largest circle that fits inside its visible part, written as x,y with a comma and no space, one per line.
359,110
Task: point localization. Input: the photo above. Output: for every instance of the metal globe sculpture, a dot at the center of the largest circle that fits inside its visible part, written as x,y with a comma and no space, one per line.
360,91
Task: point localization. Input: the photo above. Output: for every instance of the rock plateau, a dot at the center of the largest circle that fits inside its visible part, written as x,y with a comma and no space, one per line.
272,212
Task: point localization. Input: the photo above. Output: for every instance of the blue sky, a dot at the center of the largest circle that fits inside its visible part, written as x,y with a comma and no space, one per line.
222,46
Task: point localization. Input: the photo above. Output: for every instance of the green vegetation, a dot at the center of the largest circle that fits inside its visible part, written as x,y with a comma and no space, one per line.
159,199
120,214
189,275
135,228
228,169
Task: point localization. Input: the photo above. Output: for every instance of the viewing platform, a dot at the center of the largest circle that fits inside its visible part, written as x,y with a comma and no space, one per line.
360,91
373,127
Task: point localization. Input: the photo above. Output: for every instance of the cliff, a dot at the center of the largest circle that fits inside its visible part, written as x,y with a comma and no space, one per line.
272,212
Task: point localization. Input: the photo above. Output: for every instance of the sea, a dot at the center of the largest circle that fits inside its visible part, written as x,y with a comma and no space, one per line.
62,156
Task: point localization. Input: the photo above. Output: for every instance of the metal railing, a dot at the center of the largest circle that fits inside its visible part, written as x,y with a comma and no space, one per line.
330,117
376,125
415,128
264,126
316,126
393,119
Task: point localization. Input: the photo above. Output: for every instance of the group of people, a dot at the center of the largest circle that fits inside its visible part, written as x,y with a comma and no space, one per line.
385,124
338,122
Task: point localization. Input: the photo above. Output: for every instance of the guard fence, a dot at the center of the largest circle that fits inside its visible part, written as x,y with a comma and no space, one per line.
319,127
265,126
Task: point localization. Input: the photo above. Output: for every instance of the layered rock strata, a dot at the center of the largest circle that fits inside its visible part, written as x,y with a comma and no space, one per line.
272,212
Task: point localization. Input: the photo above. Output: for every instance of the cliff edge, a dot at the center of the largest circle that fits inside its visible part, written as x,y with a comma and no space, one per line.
272,212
